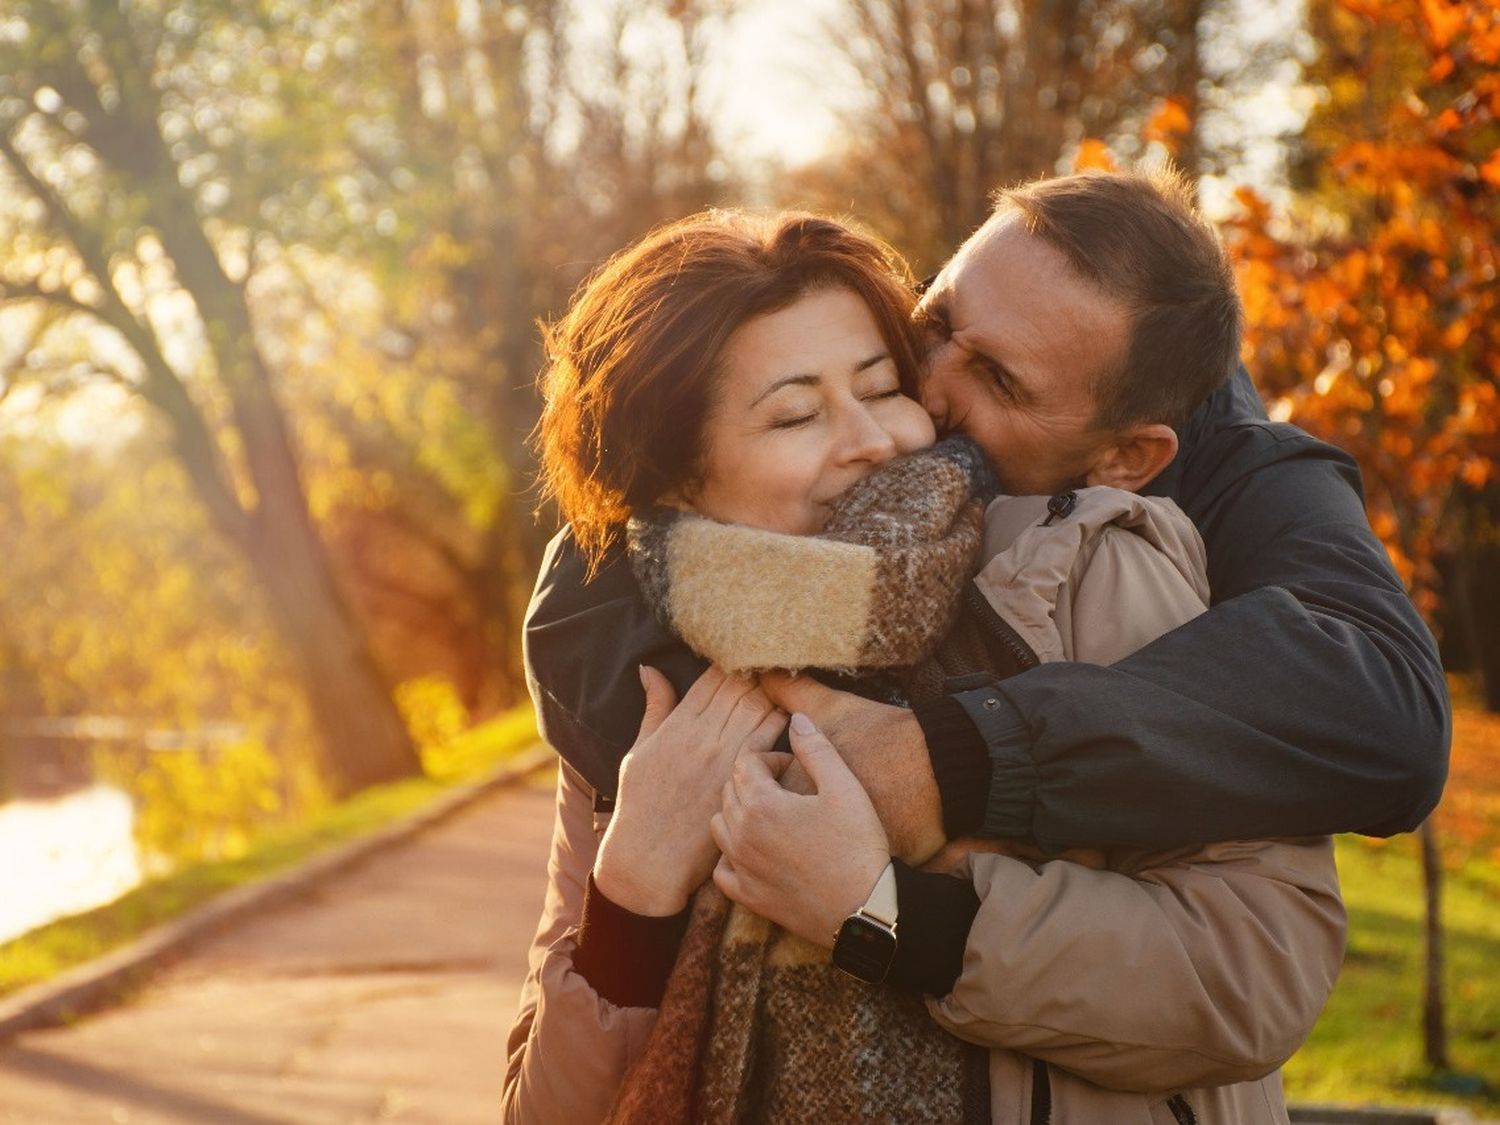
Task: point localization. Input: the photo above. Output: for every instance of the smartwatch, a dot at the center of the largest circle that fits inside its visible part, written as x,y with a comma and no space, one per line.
865,944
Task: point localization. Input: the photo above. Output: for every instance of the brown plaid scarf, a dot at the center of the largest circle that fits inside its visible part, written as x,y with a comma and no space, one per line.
877,589
756,1023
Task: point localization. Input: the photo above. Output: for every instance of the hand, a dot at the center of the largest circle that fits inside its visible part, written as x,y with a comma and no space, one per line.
657,850
804,862
885,749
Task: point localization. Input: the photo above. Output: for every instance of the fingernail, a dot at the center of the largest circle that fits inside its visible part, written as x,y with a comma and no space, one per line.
802,724
641,671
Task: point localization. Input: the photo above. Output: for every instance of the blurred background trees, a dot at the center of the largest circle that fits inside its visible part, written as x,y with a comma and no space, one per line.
272,276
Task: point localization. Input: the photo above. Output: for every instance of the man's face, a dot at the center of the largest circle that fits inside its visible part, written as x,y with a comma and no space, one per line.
1019,343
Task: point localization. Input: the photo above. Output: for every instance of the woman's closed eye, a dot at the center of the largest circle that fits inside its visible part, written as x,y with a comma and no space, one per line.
792,423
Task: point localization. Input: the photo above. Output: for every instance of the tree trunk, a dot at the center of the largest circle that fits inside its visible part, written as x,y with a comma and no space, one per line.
1476,591
363,739
1434,1020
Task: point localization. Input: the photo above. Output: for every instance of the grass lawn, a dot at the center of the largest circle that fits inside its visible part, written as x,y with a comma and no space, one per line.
50,949
1368,1045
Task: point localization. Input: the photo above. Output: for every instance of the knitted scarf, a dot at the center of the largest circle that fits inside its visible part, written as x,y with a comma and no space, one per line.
877,589
756,1024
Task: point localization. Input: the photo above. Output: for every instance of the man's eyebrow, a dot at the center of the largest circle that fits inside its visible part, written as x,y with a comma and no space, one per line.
935,306
866,364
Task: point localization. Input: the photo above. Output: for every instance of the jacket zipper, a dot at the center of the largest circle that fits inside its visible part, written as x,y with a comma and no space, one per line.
1041,1094
999,628
1041,1099
1182,1113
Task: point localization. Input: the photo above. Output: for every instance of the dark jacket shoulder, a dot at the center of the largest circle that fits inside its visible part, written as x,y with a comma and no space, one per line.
583,640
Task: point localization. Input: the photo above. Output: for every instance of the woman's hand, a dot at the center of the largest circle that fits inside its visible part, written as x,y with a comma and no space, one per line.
657,850
804,862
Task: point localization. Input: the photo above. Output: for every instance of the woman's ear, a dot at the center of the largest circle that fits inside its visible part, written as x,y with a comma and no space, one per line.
677,500
1135,456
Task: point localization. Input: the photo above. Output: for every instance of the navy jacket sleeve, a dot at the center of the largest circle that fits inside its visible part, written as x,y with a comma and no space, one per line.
1309,699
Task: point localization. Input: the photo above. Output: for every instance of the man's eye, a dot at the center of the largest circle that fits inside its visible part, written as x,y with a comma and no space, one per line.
876,396
998,379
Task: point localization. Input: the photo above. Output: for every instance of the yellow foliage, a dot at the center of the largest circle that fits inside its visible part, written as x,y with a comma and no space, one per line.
194,805
433,712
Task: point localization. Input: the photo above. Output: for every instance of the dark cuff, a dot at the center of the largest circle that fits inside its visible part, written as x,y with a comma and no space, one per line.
1011,783
934,914
625,956
960,763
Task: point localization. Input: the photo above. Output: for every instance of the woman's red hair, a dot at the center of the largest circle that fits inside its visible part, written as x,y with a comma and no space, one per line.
633,365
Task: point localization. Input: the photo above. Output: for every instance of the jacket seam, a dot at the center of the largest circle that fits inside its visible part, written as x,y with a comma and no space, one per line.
1163,1048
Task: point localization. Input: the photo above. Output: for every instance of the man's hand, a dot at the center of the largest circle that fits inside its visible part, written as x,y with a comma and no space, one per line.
804,862
884,748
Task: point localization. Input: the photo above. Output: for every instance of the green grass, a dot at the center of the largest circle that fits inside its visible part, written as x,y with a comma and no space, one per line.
53,948
1368,1045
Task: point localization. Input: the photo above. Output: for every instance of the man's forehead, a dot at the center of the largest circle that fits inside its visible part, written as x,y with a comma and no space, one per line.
969,264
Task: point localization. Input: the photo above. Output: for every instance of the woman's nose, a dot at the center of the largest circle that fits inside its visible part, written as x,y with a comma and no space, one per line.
863,438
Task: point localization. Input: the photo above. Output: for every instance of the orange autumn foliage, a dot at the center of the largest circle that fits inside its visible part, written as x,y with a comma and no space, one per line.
1469,816
1373,319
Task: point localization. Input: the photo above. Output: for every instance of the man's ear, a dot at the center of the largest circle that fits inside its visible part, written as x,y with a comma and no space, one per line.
1134,457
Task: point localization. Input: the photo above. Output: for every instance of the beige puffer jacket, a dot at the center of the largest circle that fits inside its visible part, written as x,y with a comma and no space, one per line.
1114,988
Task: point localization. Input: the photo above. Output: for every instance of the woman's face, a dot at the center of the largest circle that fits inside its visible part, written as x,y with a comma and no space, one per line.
809,403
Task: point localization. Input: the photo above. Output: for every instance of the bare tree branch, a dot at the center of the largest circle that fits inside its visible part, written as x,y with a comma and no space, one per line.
194,440
17,292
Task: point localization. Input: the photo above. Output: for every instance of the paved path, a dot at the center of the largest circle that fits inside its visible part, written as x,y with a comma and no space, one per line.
383,996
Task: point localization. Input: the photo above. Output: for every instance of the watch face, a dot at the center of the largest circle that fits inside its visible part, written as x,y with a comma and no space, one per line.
864,949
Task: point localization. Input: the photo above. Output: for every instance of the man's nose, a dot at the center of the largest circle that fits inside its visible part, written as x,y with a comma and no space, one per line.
937,382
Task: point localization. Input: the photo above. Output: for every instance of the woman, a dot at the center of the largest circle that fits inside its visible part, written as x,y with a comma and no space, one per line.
774,355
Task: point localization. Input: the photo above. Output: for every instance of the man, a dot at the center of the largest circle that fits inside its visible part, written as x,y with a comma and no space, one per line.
1308,700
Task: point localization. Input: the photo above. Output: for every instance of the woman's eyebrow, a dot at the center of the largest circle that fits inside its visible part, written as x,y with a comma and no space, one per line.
786,381
866,364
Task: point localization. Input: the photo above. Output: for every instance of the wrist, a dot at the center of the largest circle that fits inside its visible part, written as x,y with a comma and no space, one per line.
634,884
861,886
960,763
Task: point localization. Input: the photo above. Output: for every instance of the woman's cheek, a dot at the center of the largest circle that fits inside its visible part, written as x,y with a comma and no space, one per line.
916,430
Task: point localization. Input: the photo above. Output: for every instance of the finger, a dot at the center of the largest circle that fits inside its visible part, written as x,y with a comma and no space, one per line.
817,754
718,828
731,807
795,779
799,693
702,692
732,690
726,879
661,698
752,779
746,718
763,738
778,763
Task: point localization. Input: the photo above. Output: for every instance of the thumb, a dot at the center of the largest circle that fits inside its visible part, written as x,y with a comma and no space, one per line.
792,692
660,700
817,755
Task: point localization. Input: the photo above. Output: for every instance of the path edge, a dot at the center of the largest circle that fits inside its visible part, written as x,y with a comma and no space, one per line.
106,980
